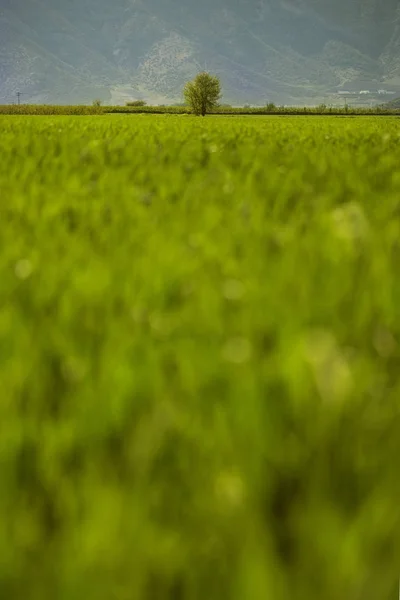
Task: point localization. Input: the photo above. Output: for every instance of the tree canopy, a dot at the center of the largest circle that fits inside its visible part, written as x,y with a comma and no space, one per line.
203,93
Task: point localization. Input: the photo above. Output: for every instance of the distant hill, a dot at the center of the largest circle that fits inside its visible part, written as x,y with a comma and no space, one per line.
286,51
394,104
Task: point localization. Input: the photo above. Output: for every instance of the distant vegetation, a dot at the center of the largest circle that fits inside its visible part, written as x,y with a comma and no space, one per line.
142,107
47,109
137,103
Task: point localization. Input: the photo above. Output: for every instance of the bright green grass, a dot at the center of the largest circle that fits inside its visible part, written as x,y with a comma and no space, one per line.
199,359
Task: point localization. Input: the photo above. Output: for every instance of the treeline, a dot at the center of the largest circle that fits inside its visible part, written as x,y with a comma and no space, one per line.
47,109
262,110
36,109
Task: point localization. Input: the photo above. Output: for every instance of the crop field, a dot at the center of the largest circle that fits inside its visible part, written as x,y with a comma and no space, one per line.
199,358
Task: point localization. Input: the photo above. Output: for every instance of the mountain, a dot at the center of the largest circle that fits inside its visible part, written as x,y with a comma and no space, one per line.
285,51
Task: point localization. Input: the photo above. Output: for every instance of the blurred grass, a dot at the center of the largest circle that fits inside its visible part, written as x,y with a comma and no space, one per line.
199,358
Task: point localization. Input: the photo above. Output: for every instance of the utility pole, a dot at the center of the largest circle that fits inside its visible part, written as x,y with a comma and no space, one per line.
19,94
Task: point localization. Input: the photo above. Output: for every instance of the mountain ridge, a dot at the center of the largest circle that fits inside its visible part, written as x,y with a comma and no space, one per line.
286,51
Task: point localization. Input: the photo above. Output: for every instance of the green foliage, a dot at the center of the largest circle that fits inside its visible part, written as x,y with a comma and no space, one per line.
203,93
97,103
199,358
48,110
222,109
179,109
137,103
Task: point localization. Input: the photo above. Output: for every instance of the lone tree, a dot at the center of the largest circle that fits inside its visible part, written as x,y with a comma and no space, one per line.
203,93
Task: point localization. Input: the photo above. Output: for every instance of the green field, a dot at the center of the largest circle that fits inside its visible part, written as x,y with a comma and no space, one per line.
199,358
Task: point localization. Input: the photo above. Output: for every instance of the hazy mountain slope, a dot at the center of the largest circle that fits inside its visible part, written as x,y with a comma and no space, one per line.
281,50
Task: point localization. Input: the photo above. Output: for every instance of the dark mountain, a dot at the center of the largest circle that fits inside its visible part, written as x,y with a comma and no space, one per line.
287,51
